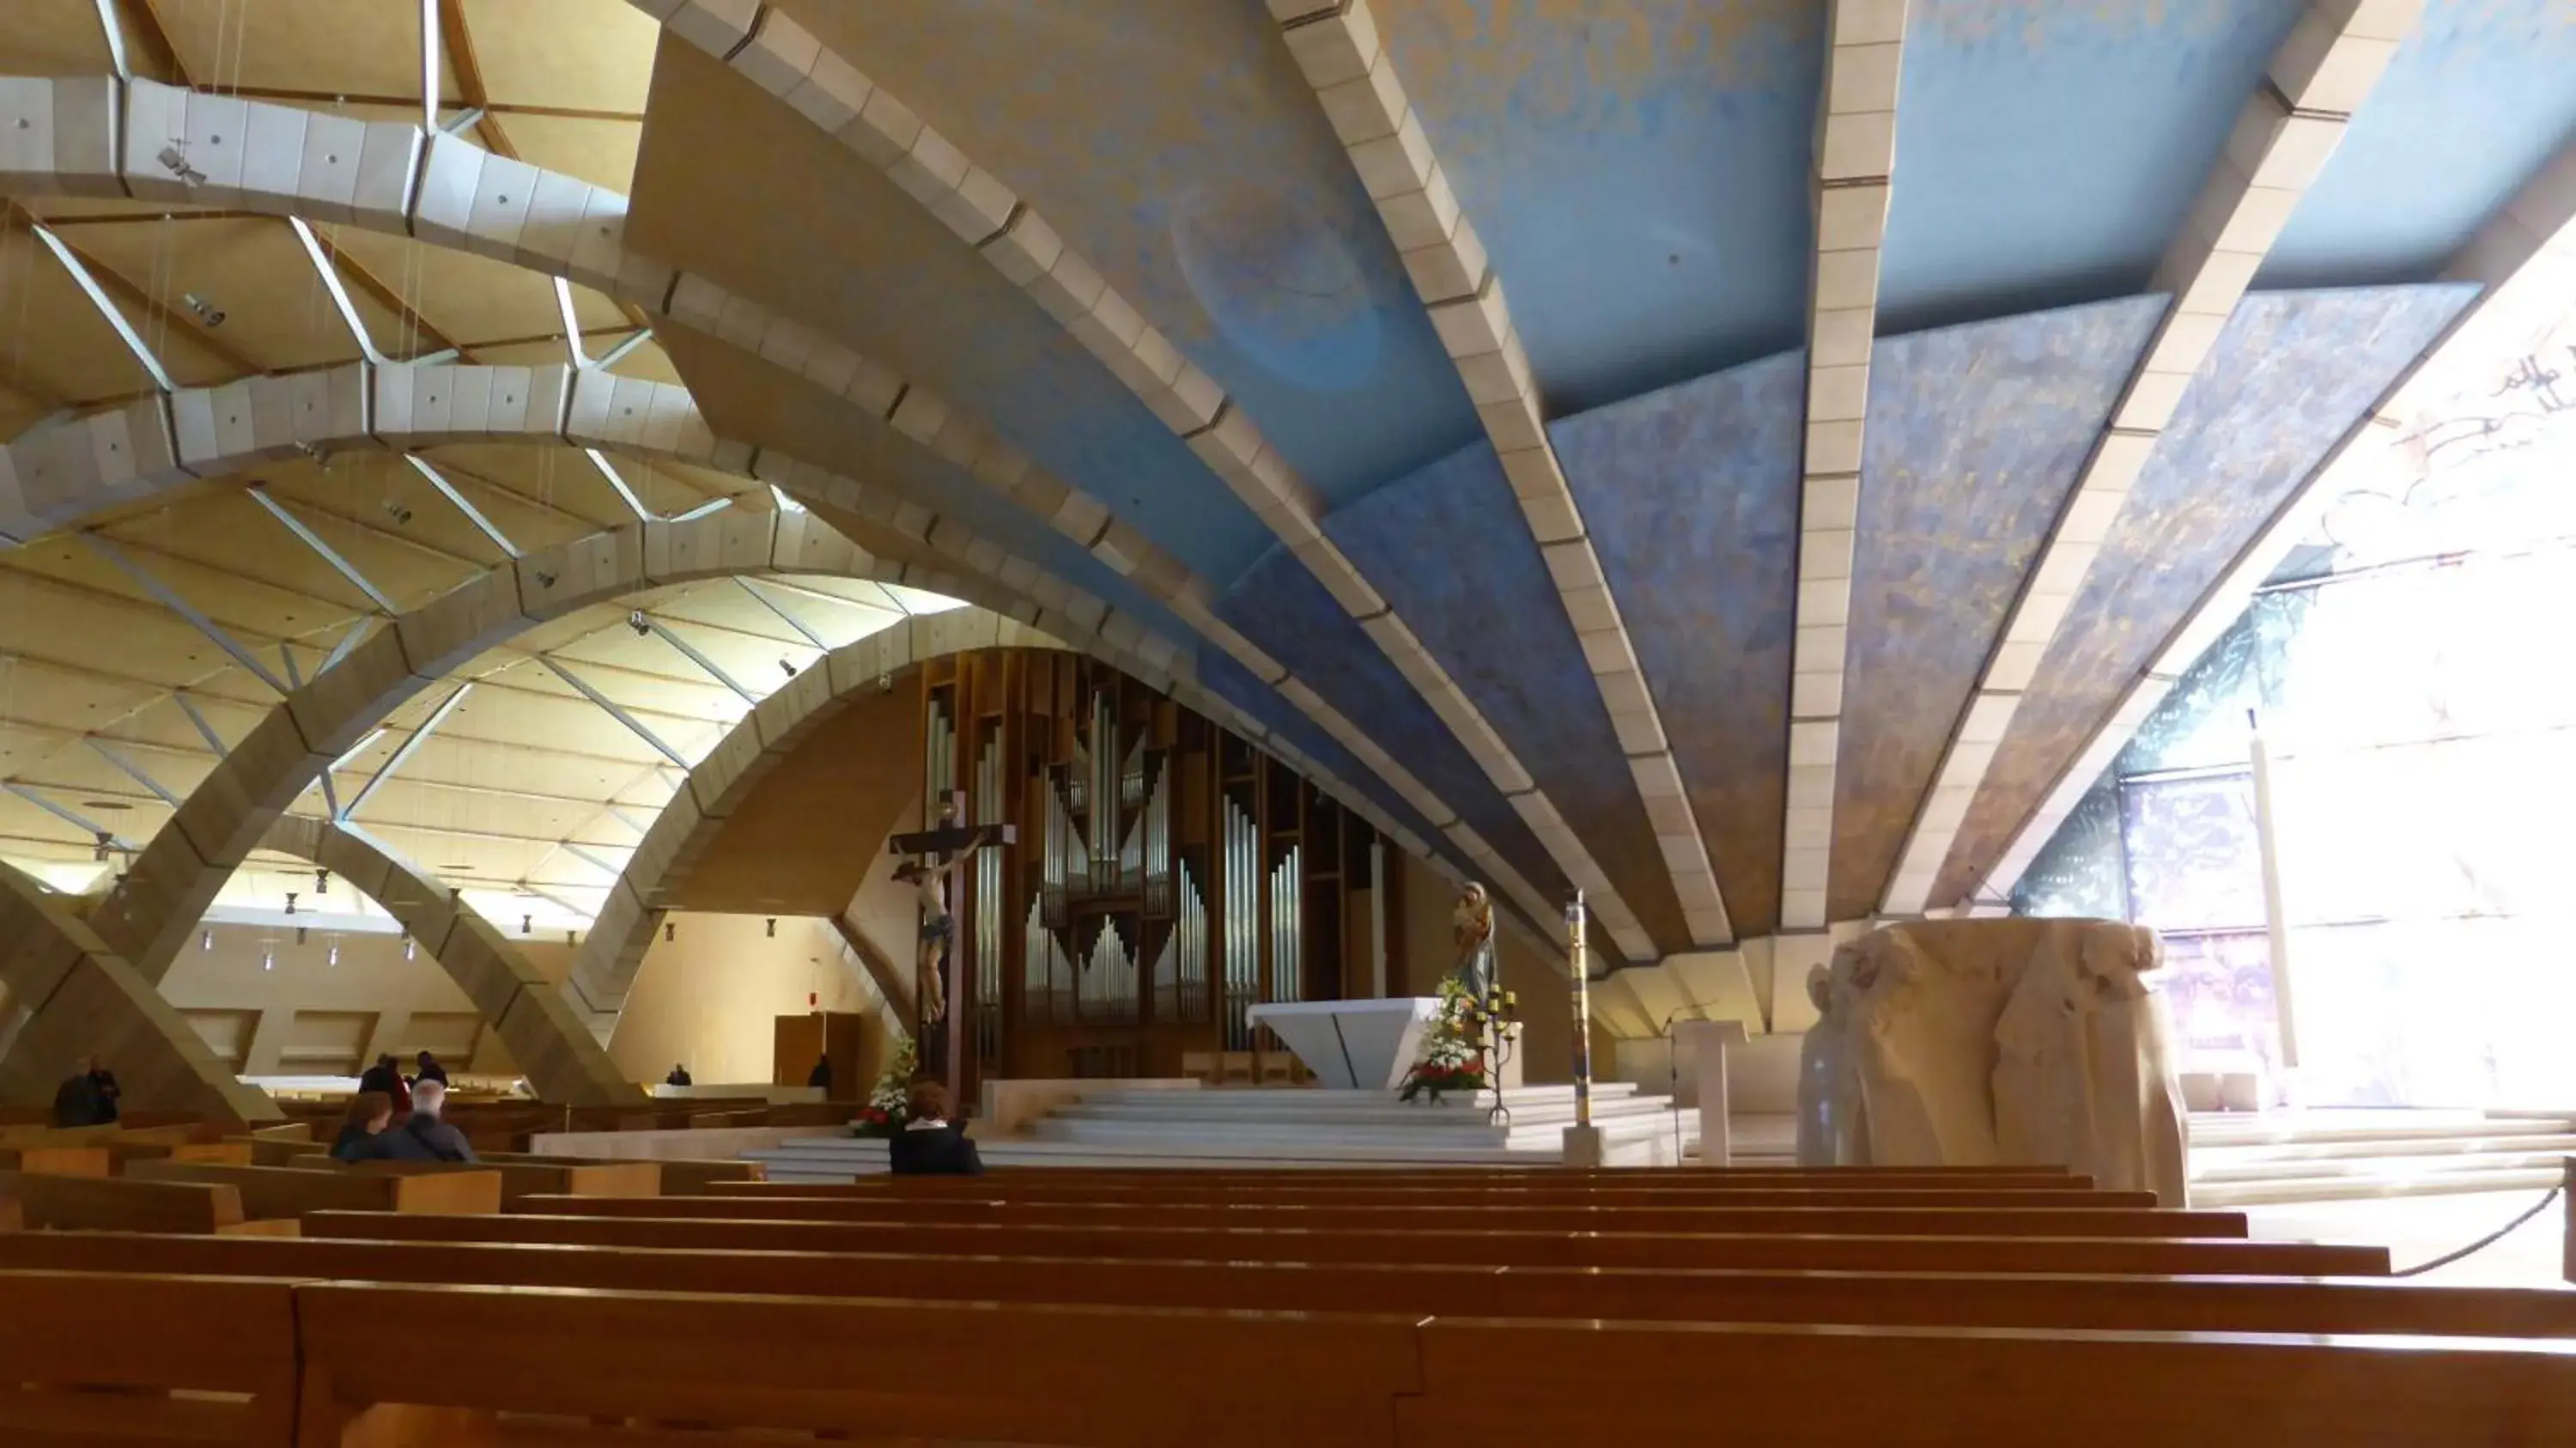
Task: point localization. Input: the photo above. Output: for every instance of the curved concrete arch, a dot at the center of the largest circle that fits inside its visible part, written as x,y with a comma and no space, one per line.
604,969
397,178
561,1061
53,967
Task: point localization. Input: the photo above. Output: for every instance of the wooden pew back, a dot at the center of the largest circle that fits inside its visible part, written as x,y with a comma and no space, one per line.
121,1204
519,1179
1833,1221
1456,1245
1473,1198
270,1191
66,1336
87,1161
2179,1304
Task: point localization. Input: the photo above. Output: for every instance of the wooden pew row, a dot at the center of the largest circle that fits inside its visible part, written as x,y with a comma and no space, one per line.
64,1336
1044,1373
1531,1175
85,1161
519,1179
678,1177
1468,1200
82,1203
2167,1304
1834,1221
1044,1180
272,1191
1453,1245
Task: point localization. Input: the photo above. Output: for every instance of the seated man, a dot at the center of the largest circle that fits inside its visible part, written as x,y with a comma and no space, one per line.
89,1099
928,1145
425,1137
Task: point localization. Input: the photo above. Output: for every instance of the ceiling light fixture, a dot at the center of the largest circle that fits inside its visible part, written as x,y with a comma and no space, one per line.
411,947
527,924
290,902
670,931
206,941
321,882
303,934
773,927
335,953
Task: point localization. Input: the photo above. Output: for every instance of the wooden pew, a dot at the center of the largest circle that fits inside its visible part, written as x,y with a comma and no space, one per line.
1040,1374
1546,1384
1469,1199
519,1179
2173,1304
270,1191
1075,1179
880,1370
118,1204
88,1161
1455,1245
678,1177
66,1337
1834,1221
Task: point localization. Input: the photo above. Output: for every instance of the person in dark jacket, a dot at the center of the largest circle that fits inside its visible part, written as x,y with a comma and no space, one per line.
425,1131
370,1112
679,1077
928,1145
820,1078
429,1070
386,1077
89,1099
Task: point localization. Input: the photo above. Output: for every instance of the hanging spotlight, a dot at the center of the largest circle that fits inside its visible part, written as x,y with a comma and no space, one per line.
206,941
787,668
396,511
527,924
670,931
411,947
106,842
572,937
303,933
321,882
637,621
773,927
290,902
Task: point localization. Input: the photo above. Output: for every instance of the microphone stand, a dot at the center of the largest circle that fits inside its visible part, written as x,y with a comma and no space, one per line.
1673,1073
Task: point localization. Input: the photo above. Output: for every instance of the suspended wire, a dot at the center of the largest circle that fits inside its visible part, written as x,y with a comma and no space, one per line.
2490,1239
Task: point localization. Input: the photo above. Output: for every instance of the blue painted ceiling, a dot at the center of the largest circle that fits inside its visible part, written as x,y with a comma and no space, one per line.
1638,171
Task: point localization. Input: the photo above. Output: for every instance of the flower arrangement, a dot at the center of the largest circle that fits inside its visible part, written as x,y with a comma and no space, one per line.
889,1106
1450,1060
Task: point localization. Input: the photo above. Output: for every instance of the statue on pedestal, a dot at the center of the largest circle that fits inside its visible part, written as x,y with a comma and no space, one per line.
1471,931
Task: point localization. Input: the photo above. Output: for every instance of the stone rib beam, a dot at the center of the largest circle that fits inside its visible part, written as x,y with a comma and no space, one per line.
561,1060
789,62
604,969
1855,156
2287,132
60,137
2525,260
1339,50
56,968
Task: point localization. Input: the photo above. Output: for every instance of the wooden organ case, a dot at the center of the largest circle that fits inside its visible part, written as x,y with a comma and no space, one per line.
1170,875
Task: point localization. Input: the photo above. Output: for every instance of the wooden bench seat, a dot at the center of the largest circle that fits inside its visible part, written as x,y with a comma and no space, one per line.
119,1204
1854,1221
1456,1244
2180,1304
88,1161
66,1337
273,1191
678,1177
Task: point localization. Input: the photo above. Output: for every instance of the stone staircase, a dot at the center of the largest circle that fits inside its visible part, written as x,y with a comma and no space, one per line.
2349,1155
1288,1129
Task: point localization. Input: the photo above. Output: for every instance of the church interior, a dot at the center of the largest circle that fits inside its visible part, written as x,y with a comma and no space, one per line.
1442,710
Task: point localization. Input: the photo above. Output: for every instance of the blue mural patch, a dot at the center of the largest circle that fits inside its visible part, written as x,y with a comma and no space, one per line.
1637,170
1220,675
1976,435
2290,375
2475,103
1691,497
1450,551
1188,159
870,268
2049,151
1281,607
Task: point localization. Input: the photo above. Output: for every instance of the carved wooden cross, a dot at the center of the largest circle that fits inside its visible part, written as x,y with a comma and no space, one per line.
952,835
937,847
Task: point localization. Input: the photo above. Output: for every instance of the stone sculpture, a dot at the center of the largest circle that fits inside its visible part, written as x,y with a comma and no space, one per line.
1994,1042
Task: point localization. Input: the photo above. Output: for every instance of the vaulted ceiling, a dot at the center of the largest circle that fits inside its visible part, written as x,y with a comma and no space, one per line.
1742,460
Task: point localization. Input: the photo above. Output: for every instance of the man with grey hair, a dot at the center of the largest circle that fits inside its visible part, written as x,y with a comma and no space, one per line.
435,1138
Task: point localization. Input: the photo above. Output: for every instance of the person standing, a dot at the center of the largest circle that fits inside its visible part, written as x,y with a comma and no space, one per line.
430,1070
386,1077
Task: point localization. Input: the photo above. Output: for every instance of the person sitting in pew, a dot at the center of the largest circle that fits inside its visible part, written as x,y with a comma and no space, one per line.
424,1132
928,1145
429,1070
88,1099
370,1112
679,1077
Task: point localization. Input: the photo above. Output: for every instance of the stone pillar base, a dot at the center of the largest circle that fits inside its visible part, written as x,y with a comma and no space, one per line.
1584,1147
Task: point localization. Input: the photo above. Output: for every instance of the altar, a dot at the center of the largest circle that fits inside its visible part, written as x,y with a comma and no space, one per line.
1353,1045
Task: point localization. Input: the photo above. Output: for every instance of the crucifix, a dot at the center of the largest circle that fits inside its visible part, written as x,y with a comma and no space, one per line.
938,852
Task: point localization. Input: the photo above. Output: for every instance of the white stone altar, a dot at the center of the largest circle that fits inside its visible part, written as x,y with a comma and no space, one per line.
1995,1042
1353,1045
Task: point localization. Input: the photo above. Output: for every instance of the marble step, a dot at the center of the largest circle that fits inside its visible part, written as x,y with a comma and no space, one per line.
2303,1129
2360,1186
2449,1165
2214,1160
1316,1103
1384,1112
1467,1130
